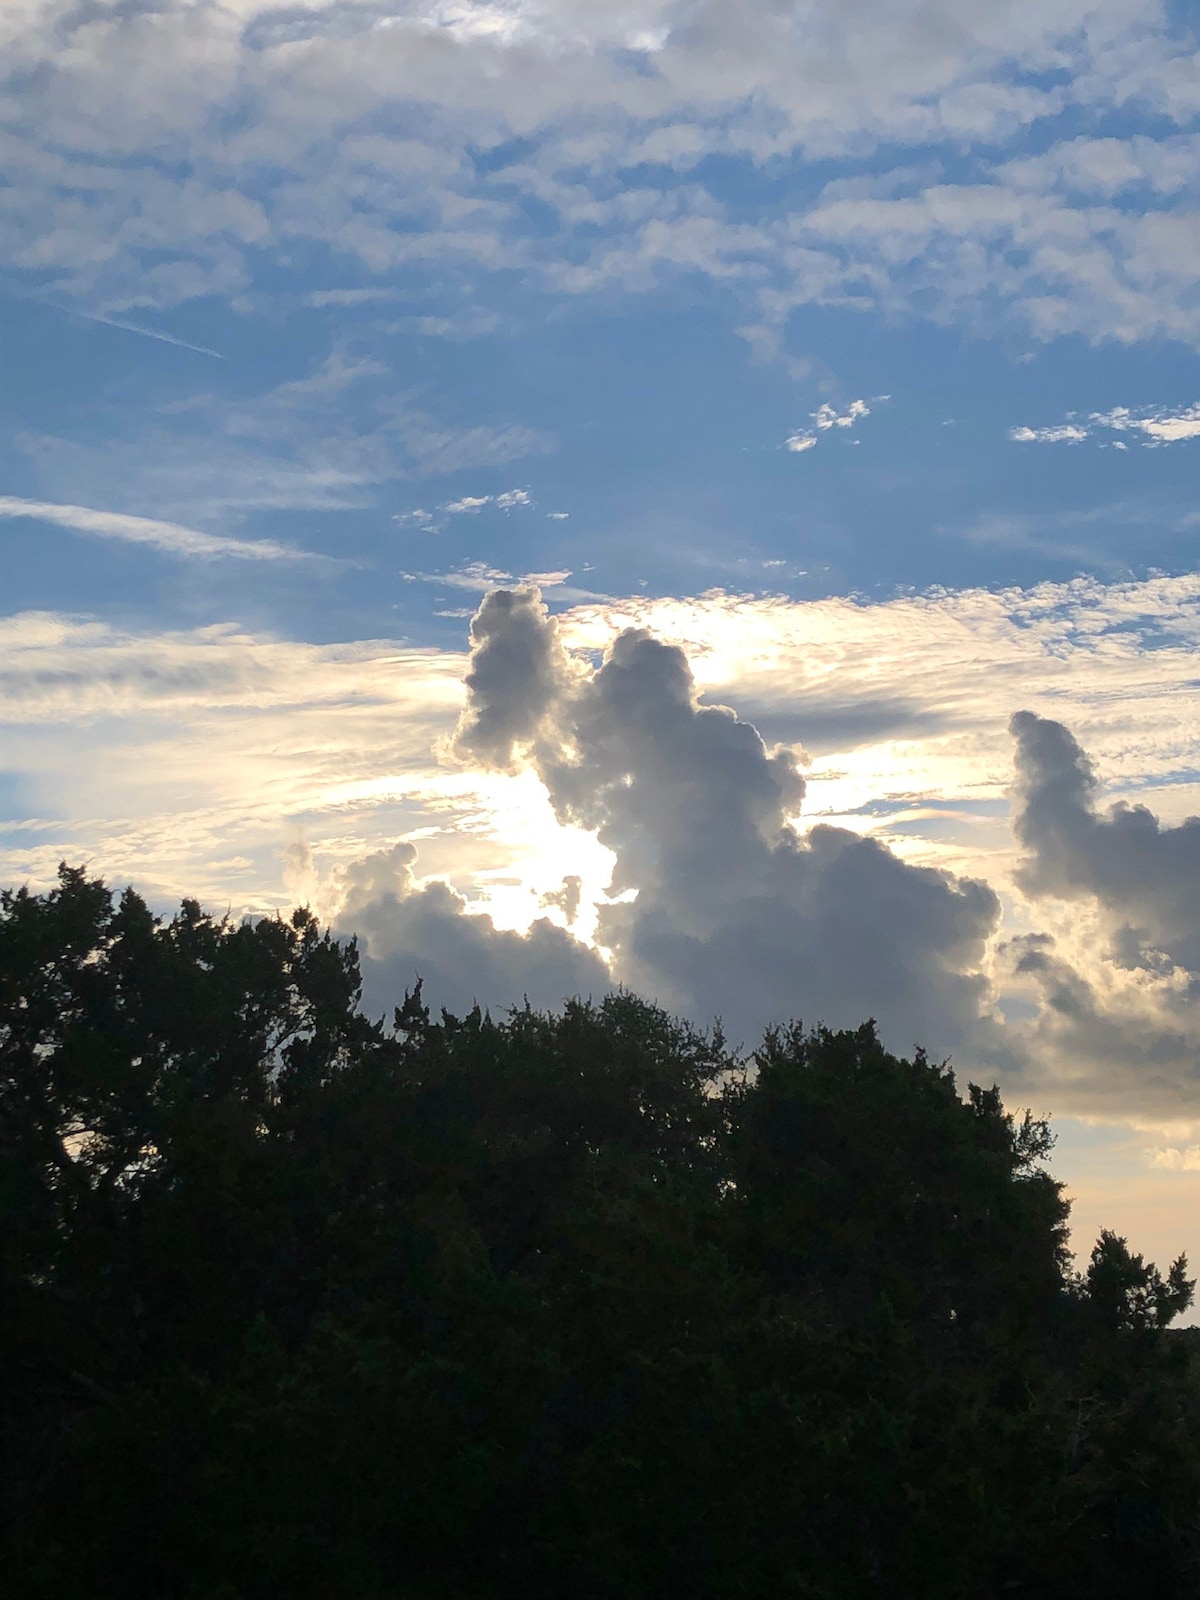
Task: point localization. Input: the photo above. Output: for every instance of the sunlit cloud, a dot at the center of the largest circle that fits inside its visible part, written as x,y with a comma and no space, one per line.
266,730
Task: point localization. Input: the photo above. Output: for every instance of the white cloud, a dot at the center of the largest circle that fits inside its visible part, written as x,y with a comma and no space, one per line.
470,504
121,192
825,418
547,580
1065,433
1158,426
170,537
476,575
467,506
479,577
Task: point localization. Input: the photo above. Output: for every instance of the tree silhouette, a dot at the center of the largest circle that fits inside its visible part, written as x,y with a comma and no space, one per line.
297,1302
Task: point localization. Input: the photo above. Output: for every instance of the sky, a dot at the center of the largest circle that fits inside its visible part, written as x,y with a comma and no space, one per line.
666,492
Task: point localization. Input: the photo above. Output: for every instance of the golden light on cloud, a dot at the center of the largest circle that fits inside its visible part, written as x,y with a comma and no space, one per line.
186,752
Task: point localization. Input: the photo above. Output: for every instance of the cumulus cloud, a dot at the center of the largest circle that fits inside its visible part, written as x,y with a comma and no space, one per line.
717,904
518,675
825,418
1146,875
413,930
188,759
156,753
1122,1022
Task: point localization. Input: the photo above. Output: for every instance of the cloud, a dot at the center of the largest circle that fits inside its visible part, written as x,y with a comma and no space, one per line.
1176,1160
825,418
1157,425
470,504
169,537
155,754
153,158
148,333
567,898
326,439
187,761
717,903
478,577
1146,875
1065,433
416,930
466,506
1120,1011
518,673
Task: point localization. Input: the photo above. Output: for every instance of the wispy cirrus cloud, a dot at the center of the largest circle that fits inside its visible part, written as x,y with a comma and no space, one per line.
170,537
325,440
478,577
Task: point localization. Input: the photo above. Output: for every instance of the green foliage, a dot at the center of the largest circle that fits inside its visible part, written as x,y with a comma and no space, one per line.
300,1304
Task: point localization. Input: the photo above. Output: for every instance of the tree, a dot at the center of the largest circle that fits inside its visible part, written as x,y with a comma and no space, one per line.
1128,1294
583,1303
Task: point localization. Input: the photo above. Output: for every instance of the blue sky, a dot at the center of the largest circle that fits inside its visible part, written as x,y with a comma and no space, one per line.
850,350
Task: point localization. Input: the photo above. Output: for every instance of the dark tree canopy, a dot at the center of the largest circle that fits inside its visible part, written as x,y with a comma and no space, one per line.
297,1303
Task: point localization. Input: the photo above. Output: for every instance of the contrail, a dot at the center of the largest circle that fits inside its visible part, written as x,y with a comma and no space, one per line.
171,537
148,333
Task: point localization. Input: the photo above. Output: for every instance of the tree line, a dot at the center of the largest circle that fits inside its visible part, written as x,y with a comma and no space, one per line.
296,1302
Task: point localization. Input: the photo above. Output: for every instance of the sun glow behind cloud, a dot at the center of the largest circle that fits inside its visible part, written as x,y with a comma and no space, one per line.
185,750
